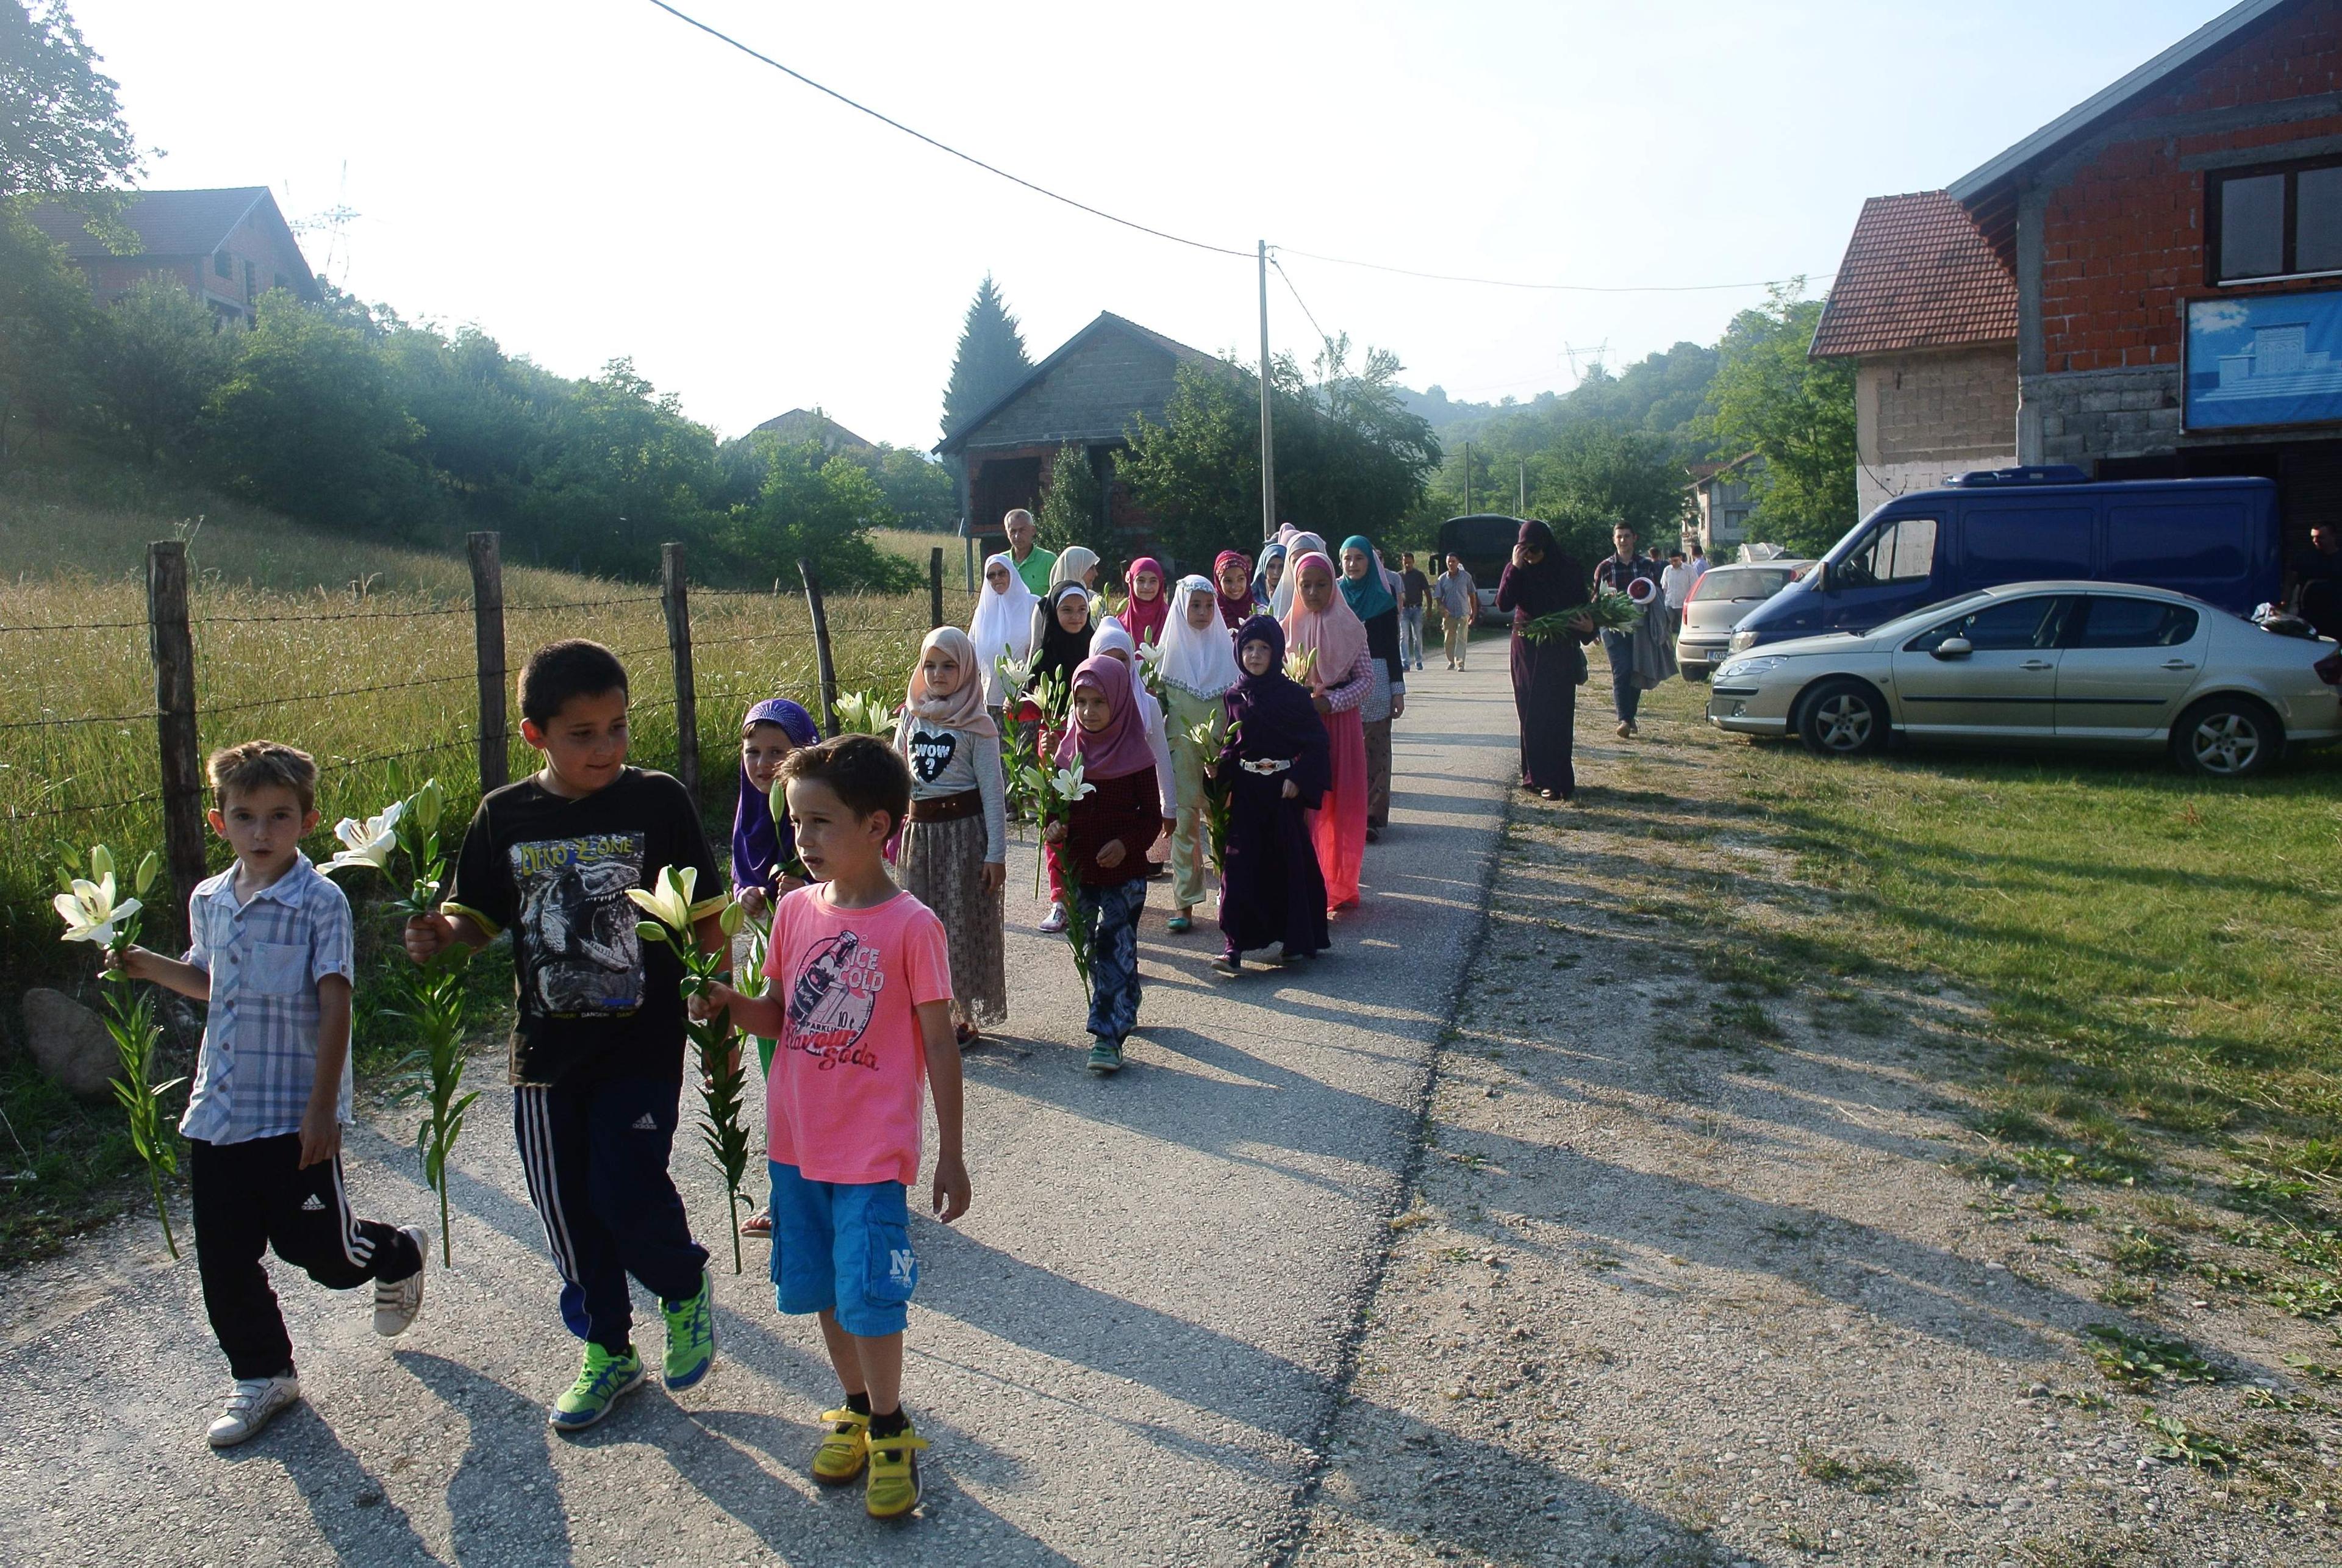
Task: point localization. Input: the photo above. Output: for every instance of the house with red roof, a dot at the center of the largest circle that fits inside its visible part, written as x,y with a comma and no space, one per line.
2150,285
226,247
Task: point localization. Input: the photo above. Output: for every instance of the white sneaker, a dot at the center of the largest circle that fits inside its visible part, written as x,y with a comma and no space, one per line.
255,1402
397,1302
1057,922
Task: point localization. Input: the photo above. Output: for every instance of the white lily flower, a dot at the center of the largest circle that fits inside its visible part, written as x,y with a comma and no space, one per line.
669,903
1070,785
90,913
366,845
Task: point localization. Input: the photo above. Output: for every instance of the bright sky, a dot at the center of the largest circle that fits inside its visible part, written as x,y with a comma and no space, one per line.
589,178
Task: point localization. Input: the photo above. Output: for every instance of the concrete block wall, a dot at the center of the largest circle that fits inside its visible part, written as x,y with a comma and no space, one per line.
1944,407
2123,412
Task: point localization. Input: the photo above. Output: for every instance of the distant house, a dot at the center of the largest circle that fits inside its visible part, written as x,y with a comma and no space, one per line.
803,425
1928,315
1088,394
1721,498
225,247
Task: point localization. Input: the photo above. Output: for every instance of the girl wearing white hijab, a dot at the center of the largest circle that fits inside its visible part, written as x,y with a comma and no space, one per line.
1197,669
1111,637
1076,563
1002,627
1302,544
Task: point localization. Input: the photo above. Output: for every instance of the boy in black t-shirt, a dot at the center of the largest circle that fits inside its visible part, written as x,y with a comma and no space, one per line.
598,1048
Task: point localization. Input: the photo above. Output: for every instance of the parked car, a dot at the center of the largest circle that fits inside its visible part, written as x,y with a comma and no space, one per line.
1719,601
2215,539
1484,542
2073,663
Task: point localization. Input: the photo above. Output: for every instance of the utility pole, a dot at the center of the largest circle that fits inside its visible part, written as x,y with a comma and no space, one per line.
1267,427
1468,479
1524,512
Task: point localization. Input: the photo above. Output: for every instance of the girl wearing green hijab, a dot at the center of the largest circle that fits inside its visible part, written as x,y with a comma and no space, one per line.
1366,585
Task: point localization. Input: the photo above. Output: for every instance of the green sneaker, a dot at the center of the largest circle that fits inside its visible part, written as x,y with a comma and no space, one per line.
690,1336
601,1383
1106,1057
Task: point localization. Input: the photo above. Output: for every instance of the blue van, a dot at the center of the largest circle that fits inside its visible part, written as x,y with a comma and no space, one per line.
2217,539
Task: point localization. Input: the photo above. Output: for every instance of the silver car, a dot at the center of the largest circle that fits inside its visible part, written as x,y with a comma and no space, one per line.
1721,597
2071,663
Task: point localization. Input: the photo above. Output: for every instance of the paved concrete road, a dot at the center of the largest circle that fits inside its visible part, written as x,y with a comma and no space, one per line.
1124,1353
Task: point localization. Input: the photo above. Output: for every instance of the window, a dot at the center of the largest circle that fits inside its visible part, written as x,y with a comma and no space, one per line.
2013,543
1900,550
2111,623
2166,545
2276,222
2003,625
1741,583
220,267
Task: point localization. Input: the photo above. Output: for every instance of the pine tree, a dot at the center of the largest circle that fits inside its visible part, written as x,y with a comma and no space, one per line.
990,360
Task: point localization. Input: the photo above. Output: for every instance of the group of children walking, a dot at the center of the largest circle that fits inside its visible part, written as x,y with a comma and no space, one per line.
880,869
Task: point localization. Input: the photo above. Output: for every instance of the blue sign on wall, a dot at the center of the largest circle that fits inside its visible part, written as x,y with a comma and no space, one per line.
2265,359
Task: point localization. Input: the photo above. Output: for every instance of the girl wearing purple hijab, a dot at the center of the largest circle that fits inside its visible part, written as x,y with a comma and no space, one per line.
764,845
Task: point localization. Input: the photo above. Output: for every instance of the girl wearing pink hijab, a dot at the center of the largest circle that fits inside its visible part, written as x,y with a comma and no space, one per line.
1104,844
1149,606
1341,675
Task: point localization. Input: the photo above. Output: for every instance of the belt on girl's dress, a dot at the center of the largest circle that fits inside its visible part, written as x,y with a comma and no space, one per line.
948,807
1267,767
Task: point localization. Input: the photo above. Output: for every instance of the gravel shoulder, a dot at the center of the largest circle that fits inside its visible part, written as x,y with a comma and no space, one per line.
1698,1272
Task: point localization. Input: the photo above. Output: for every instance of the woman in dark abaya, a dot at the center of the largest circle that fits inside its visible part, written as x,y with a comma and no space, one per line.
1276,764
1537,581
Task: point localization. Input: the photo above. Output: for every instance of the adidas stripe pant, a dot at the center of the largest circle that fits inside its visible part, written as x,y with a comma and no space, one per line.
253,1196
595,1156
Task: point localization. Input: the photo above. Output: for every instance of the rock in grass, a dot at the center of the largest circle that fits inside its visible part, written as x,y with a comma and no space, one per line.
70,1044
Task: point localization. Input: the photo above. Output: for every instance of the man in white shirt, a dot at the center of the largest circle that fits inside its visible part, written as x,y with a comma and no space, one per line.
1674,585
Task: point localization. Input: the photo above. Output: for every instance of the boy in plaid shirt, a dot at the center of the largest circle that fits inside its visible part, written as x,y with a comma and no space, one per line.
270,952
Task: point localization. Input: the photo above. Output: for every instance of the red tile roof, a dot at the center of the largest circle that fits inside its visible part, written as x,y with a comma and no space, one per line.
1917,274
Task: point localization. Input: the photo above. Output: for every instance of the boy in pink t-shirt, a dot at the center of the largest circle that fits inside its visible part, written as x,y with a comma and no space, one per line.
860,1002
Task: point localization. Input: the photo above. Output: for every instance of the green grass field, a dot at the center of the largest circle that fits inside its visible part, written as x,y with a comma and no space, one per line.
361,654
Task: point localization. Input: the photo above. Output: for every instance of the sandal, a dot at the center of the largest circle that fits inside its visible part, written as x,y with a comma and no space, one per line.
759,1223
969,1034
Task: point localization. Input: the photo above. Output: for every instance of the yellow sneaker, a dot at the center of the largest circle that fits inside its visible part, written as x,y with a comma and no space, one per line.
892,1489
844,1449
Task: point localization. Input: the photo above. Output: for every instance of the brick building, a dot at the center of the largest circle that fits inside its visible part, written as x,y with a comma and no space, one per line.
225,247
2174,249
1088,394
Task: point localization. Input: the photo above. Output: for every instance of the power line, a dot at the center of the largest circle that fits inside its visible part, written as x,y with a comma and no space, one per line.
1322,335
943,147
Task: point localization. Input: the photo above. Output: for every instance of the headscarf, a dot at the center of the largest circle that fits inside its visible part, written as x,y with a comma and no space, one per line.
1551,584
1142,618
1281,604
1113,637
760,843
1232,612
1270,553
961,708
1120,748
1272,715
1200,663
1073,562
1335,633
1002,625
1371,595
1062,650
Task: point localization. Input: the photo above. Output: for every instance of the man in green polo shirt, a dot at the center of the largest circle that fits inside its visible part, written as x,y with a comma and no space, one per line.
1033,563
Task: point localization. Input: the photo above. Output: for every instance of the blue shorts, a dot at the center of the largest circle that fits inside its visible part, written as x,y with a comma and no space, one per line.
843,1245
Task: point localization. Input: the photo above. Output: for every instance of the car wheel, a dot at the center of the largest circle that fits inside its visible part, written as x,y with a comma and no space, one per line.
2226,738
1694,671
1841,718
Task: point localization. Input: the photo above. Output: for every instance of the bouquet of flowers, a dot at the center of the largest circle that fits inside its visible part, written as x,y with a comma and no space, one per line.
434,1001
1610,611
723,1075
1218,790
91,913
864,714
1053,795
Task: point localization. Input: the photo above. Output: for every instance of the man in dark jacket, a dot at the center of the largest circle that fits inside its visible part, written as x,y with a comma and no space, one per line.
1621,571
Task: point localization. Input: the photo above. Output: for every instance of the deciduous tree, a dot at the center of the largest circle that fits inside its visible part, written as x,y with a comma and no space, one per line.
1769,397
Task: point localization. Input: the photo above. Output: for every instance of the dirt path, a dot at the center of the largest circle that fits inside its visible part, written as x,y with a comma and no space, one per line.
1692,1276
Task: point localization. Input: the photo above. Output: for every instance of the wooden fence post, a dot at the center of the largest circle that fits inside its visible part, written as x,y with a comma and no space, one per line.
822,659
935,587
674,589
488,653
174,650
